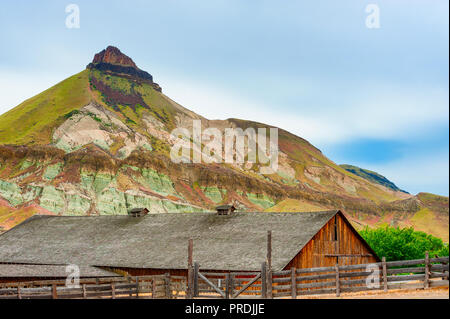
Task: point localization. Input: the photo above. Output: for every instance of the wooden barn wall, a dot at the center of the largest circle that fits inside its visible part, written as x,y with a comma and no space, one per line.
147,271
323,243
151,272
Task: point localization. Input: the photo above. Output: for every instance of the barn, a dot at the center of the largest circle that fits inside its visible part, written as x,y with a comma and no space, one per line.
148,244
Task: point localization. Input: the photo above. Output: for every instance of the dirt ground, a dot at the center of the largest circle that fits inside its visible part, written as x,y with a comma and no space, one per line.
432,293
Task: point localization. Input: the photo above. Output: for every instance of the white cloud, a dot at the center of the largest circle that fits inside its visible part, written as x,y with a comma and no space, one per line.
399,115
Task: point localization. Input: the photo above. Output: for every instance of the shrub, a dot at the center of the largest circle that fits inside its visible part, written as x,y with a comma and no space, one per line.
396,243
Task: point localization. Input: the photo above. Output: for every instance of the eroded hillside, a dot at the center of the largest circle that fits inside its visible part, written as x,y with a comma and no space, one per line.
99,143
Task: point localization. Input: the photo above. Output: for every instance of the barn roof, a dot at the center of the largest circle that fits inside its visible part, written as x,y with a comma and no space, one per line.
159,241
59,271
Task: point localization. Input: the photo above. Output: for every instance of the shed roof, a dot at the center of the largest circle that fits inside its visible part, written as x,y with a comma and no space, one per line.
225,207
137,210
58,271
159,241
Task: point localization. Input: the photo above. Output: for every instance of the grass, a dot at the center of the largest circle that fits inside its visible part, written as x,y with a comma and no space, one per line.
33,121
426,221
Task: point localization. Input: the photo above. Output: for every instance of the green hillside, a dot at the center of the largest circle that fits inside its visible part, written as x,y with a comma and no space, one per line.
33,121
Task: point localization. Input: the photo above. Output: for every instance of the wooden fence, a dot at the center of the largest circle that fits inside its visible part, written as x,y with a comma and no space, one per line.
407,274
144,287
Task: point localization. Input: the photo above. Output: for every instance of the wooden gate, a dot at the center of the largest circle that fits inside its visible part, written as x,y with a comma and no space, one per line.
228,285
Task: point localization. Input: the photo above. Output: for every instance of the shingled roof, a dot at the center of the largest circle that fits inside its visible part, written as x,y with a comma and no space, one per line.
159,241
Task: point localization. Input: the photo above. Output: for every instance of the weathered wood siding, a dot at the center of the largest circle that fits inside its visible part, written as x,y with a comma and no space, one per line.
326,242
148,271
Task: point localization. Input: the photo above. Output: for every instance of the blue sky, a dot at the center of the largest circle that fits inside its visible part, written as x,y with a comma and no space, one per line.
376,98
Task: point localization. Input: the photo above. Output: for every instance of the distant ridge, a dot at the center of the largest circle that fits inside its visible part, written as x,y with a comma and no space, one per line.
372,176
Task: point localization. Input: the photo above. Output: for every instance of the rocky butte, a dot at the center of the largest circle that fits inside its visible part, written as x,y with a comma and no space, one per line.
114,62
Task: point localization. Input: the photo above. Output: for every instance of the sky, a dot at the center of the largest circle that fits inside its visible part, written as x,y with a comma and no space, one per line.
371,97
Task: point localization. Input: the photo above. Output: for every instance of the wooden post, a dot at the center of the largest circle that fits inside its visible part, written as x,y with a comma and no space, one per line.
83,287
190,251
385,285
19,293
54,292
130,280
231,285
153,288
269,265
167,285
190,286
338,285
294,283
269,249
195,280
426,283
137,287
227,286
113,291
264,280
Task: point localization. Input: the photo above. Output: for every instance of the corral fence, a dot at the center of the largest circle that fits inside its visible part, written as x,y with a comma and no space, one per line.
293,283
405,274
142,287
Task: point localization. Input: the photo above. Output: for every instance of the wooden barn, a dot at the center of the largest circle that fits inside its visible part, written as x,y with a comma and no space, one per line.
158,243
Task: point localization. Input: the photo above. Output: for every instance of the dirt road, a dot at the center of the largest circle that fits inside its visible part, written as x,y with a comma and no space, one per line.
432,293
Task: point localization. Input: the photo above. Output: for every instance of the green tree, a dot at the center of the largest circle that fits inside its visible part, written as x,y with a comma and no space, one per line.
396,243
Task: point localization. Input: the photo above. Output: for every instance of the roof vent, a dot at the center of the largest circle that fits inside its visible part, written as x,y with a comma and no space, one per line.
138,212
225,209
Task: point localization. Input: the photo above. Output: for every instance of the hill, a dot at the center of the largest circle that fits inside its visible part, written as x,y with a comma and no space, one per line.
99,142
